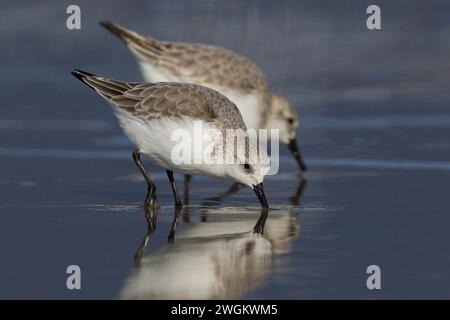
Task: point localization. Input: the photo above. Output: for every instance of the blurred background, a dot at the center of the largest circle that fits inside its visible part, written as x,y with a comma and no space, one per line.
375,122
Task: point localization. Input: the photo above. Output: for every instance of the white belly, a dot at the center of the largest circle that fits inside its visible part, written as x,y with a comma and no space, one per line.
160,137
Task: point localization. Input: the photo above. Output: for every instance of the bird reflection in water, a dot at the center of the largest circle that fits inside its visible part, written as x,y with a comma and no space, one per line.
213,260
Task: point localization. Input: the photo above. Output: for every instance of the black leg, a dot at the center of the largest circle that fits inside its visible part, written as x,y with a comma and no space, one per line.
187,181
186,215
173,227
235,187
178,202
151,189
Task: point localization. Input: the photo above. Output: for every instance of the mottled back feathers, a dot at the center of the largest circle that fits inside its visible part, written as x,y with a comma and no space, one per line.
197,63
149,101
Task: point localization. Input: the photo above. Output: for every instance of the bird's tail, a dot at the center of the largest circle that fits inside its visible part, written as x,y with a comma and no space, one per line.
143,46
107,88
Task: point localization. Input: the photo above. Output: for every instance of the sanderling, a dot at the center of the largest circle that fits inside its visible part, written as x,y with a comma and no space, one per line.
233,75
149,113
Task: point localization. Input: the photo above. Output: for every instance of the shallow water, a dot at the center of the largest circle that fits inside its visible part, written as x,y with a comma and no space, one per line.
375,125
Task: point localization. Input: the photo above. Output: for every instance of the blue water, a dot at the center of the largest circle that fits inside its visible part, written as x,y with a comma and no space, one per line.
375,122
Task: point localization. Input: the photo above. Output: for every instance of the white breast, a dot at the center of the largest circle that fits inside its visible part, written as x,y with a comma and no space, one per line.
164,141
251,107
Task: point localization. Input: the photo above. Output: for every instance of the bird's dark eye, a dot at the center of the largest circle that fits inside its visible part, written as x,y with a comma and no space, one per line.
290,120
247,166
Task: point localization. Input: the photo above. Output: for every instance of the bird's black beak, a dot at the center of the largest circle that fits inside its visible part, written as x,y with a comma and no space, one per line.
293,147
259,190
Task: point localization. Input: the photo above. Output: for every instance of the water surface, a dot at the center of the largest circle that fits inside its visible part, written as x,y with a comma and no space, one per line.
375,118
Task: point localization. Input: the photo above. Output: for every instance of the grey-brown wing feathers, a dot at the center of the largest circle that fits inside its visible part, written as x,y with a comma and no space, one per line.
196,63
144,46
166,99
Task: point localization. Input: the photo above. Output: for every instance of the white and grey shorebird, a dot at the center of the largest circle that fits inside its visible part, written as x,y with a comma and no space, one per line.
150,112
235,76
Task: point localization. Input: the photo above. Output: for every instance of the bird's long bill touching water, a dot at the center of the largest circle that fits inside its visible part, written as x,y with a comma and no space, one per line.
233,75
150,113
259,190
